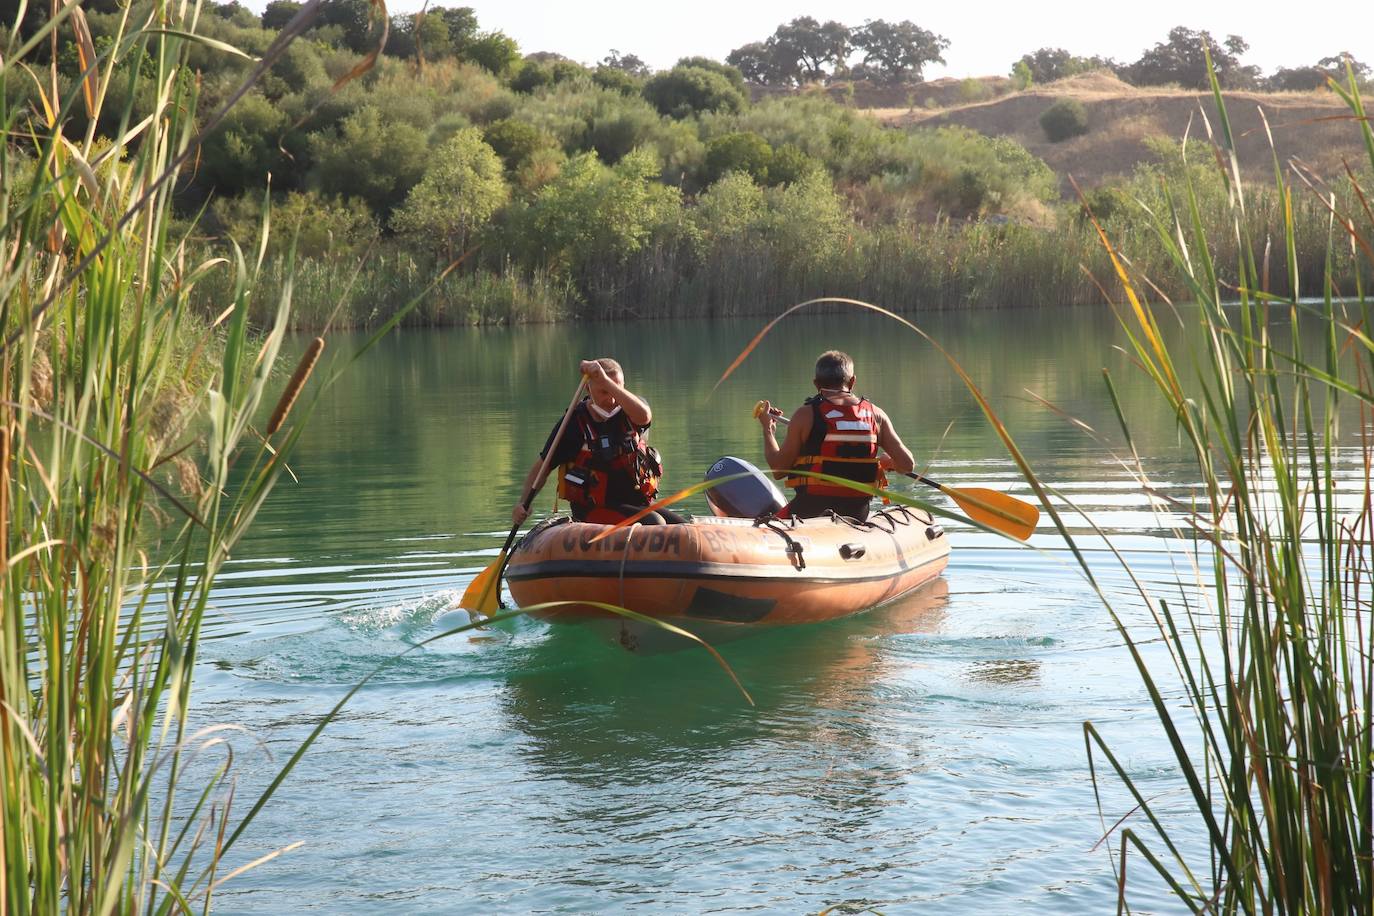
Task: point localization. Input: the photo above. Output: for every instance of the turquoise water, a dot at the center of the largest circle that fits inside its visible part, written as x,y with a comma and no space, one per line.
925,756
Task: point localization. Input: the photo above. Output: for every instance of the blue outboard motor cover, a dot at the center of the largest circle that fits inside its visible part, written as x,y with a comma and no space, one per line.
745,497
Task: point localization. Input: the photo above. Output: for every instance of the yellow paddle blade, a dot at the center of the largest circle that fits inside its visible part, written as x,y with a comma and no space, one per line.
483,593
996,510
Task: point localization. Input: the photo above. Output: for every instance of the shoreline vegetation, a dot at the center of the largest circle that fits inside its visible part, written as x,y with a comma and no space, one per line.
601,192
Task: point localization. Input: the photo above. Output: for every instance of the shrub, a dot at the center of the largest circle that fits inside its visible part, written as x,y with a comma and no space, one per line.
729,209
685,91
973,90
370,157
463,186
516,141
619,80
790,164
1064,119
533,75
738,152
318,226
243,149
591,213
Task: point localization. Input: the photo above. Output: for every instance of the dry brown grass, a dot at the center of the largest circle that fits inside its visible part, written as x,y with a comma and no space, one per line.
1121,117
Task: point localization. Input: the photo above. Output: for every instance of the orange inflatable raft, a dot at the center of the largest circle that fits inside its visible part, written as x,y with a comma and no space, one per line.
719,576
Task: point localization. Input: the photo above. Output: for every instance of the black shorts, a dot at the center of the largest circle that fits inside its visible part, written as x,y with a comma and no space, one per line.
807,506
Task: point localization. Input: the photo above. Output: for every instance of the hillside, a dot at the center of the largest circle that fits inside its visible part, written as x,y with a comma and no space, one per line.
1315,126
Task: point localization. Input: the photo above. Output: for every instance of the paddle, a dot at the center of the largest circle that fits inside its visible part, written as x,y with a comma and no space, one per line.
988,507
483,593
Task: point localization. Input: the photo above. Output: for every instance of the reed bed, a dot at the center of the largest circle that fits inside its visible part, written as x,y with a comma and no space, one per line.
916,267
1270,647
130,467
368,292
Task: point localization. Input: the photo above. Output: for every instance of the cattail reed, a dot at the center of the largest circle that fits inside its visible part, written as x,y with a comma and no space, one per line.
293,387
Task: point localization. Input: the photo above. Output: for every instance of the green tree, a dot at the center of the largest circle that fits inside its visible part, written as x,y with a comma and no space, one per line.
626,63
1180,60
738,152
685,91
532,75
617,131
1299,79
618,80
731,73
593,214
241,152
495,52
1049,64
354,18
430,33
790,163
899,51
1021,76
758,63
810,46
808,223
301,67
278,13
462,25
462,187
516,141
375,159
729,210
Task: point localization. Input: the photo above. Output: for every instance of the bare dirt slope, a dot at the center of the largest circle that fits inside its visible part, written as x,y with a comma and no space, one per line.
1311,125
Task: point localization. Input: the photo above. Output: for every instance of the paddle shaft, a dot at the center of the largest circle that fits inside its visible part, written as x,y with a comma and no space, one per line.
548,456
543,469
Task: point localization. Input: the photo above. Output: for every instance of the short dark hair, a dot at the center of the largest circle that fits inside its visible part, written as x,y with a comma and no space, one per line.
834,369
612,367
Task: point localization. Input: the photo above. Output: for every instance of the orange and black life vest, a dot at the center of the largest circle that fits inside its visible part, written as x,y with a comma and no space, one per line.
843,443
613,467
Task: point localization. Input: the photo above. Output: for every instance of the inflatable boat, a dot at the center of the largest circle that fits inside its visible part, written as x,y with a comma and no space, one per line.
739,570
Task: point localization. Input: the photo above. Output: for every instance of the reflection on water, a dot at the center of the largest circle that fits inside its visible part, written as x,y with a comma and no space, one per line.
927,755
639,730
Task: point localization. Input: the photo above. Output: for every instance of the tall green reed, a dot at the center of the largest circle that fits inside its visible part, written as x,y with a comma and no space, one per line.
130,467
1271,647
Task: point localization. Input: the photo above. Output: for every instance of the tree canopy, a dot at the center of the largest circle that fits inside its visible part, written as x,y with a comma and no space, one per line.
1181,60
806,50
462,187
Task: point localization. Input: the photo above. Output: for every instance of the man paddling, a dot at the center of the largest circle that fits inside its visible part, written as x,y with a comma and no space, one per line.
606,469
838,433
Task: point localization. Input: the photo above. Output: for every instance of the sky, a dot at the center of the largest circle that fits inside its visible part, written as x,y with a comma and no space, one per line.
985,36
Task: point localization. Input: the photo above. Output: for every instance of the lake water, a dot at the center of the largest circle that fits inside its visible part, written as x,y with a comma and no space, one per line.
927,756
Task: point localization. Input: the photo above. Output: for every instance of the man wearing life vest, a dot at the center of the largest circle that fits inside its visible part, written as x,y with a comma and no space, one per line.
836,432
606,470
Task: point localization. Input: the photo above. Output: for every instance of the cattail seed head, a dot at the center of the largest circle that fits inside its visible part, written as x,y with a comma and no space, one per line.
293,387
41,381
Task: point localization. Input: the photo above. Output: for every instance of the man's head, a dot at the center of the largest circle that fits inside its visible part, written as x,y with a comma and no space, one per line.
602,395
835,370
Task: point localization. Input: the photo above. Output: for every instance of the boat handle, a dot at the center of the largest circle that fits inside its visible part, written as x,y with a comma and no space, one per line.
853,551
